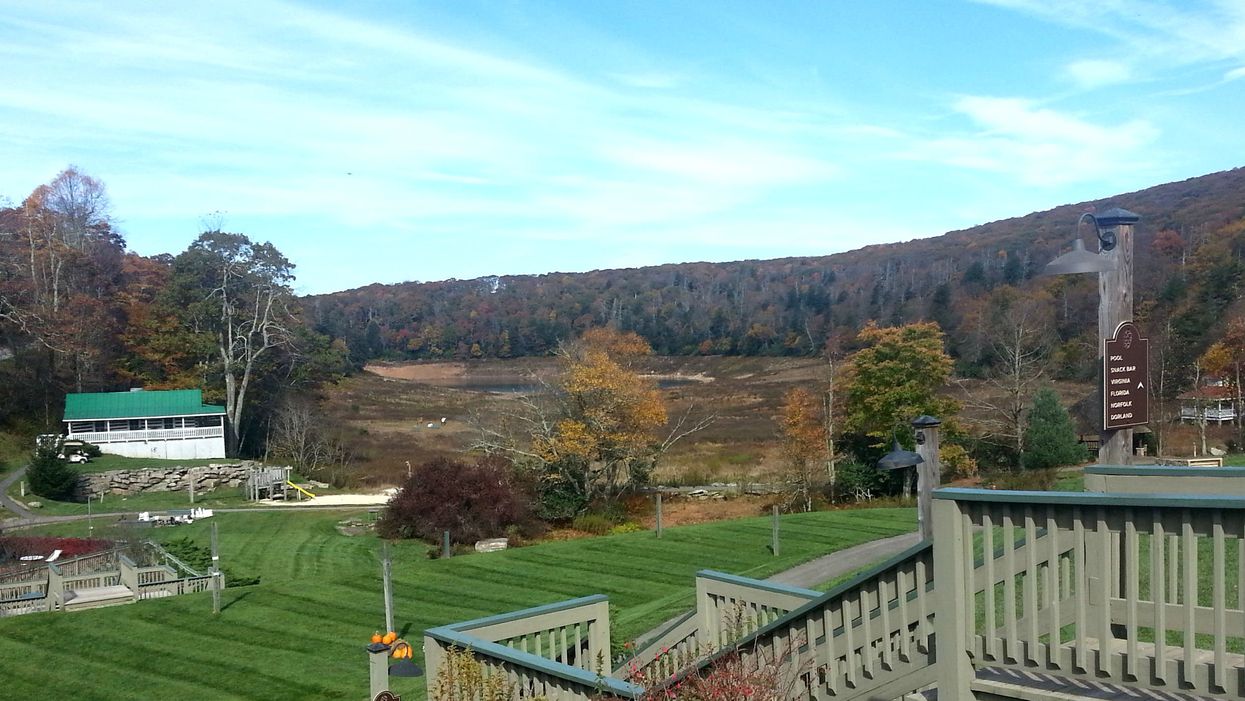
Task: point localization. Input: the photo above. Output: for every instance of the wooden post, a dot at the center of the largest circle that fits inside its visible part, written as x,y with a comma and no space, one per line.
378,668
1115,306
951,625
929,471
445,544
215,574
658,514
190,478
386,570
23,488
774,544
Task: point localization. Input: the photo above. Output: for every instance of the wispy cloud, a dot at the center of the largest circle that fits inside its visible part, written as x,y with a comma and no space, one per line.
1036,145
1095,73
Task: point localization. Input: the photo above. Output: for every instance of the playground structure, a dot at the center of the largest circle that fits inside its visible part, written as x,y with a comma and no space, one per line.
272,483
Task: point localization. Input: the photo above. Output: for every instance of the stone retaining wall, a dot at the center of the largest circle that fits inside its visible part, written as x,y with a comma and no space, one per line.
166,479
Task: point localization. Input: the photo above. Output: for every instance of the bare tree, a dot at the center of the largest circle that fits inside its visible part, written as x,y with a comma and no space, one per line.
1019,346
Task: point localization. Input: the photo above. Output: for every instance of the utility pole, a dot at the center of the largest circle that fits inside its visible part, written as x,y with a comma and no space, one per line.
386,570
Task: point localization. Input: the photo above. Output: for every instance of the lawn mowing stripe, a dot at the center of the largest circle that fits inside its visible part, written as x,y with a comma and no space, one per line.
304,626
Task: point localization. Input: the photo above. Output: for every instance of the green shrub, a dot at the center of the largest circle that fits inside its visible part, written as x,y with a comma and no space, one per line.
628,527
1050,438
595,524
51,477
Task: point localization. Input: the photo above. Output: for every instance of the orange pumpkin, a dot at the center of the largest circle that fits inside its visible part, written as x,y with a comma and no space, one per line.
389,638
377,637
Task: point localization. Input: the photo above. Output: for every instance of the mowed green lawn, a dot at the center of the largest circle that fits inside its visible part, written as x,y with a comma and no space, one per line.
300,633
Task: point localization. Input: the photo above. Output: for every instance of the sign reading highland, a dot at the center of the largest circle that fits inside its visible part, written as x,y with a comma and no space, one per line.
1126,372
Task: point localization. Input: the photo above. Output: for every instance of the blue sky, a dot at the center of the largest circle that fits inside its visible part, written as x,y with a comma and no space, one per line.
389,141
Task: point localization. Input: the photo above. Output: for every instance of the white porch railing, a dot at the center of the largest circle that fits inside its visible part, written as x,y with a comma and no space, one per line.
153,435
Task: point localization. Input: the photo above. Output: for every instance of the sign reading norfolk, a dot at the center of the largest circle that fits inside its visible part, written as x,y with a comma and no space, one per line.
1126,372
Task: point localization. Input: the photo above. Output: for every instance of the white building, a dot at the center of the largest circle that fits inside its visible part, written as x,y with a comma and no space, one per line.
169,424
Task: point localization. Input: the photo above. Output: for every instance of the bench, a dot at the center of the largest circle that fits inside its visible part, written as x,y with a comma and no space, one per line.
1191,462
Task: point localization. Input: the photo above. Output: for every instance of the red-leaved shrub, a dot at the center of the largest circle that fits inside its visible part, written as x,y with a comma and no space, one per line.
470,500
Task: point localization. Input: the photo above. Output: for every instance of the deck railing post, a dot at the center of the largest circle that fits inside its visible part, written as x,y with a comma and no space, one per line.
951,627
706,614
599,639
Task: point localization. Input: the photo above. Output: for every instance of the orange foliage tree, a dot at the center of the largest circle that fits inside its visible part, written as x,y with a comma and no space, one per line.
803,445
604,438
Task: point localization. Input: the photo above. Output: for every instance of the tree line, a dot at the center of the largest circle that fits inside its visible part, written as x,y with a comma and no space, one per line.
979,285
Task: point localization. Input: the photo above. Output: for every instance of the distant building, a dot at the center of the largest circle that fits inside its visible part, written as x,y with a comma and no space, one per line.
169,424
1214,401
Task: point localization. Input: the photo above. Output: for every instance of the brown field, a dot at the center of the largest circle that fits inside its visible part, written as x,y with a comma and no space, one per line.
388,408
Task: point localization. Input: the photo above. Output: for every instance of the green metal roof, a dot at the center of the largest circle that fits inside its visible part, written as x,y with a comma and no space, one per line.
135,405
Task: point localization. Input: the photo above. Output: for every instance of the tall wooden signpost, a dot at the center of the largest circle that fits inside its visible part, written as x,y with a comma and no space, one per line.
1115,308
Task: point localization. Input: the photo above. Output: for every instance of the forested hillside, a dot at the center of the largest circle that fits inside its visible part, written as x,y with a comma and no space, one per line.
1188,272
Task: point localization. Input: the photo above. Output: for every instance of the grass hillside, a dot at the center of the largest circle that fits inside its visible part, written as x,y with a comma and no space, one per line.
300,633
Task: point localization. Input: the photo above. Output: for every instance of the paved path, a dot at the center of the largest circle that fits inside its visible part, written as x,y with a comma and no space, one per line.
837,564
18,509
825,568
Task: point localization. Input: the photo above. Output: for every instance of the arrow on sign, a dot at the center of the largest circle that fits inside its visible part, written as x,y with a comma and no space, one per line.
1140,386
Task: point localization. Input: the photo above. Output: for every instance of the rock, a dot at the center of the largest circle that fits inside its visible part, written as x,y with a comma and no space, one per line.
35,504
492,545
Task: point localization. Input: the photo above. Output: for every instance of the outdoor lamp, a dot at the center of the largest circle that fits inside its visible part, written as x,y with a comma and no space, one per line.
1079,260
404,667
899,459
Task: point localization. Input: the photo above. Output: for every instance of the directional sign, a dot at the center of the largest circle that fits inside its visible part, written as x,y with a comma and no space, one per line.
1126,372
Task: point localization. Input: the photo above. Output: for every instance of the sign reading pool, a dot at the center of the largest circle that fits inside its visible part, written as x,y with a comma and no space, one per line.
1126,372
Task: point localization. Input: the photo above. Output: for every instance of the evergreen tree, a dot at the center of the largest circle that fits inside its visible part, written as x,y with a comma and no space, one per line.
1050,437
50,476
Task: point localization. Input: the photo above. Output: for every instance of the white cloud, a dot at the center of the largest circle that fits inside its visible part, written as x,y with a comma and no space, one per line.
1096,73
1153,33
1035,145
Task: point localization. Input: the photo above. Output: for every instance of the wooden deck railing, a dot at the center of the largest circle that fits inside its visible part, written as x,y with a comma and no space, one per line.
1137,590
560,651
1152,479
728,607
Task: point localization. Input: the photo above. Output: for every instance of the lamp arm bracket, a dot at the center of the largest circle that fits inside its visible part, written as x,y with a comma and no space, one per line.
1106,239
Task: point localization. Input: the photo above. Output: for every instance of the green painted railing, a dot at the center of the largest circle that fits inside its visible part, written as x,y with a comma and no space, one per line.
559,651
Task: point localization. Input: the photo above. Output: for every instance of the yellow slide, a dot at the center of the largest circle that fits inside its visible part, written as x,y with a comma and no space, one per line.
308,494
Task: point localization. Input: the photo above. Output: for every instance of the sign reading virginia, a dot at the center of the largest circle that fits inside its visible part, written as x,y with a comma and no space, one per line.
1126,372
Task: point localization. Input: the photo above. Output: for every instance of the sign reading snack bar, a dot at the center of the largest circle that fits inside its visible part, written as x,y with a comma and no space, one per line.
1126,372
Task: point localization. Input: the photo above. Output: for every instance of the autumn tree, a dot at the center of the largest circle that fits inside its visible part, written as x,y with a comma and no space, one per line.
59,266
1214,362
234,295
803,445
895,377
596,430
